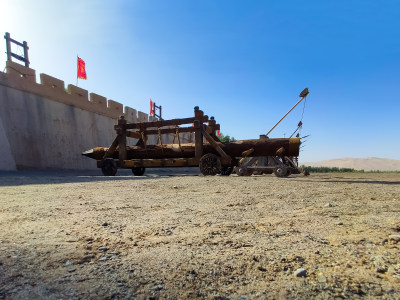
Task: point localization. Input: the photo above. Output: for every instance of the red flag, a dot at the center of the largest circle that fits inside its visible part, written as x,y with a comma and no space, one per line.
151,108
219,133
81,69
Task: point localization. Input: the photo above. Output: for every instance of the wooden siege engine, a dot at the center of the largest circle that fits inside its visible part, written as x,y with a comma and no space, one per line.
207,152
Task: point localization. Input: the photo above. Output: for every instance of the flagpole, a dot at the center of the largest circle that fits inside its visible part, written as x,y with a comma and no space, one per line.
77,57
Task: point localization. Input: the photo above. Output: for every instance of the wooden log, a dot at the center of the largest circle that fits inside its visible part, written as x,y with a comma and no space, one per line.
163,123
262,147
136,134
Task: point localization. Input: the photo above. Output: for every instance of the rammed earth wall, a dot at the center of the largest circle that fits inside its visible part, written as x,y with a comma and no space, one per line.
44,126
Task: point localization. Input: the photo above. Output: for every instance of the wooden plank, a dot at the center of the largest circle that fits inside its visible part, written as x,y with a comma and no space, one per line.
160,163
134,134
16,42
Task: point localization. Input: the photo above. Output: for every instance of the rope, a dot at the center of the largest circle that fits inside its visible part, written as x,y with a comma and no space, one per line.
179,139
300,126
160,140
304,107
144,138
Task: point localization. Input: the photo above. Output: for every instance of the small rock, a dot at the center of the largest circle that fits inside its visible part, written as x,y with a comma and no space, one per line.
321,278
68,263
103,258
328,205
105,224
390,291
339,223
395,237
175,187
158,287
379,264
262,269
391,271
102,248
300,272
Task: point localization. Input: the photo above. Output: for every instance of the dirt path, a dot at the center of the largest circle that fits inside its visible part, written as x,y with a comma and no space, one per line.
195,237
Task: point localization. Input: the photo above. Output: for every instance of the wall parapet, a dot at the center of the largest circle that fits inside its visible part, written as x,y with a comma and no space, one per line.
22,78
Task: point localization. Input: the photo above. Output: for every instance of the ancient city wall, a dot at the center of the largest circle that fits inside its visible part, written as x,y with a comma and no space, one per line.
45,126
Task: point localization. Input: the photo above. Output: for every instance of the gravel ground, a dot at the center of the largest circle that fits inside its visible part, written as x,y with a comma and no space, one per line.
185,236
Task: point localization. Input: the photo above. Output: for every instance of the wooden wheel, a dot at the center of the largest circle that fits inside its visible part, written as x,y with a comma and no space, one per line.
243,171
281,171
139,171
226,171
210,164
109,167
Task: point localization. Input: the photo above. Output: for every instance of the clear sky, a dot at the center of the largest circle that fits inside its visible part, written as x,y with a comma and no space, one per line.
243,62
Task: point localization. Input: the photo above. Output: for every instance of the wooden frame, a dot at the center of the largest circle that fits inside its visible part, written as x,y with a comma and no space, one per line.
141,130
24,45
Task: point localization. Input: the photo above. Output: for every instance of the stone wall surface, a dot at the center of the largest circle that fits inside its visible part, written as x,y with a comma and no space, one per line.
45,126
7,162
46,134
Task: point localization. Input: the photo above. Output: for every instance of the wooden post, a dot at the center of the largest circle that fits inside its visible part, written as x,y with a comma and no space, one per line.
8,45
212,124
198,125
122,141
26,54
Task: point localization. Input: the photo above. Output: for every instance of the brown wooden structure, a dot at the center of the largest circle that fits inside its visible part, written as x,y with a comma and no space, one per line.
207,152
10,54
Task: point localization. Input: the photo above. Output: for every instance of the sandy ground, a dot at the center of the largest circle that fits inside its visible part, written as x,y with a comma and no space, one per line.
77,236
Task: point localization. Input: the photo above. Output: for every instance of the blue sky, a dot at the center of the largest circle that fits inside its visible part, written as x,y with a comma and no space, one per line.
243,62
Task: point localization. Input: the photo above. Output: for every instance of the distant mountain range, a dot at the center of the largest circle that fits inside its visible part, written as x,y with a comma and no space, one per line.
366,164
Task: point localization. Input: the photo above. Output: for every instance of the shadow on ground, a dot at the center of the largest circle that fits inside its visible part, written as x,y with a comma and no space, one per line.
16,178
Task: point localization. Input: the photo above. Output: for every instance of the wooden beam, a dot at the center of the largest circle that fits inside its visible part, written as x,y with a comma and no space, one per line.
133,134
225,158
110,151
163,123
136,134
122,141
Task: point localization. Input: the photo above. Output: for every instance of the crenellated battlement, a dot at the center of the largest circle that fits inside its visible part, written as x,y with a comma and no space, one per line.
47,118
23,78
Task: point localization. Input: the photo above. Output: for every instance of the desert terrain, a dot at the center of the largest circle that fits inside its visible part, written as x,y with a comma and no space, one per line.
366,164
186,236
